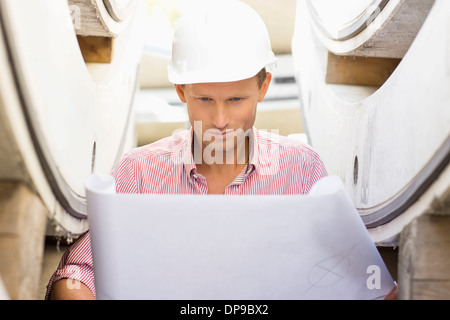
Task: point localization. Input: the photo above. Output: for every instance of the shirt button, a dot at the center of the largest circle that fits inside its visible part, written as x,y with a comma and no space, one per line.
195,176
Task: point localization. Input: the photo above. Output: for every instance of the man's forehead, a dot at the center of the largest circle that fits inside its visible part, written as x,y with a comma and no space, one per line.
234,87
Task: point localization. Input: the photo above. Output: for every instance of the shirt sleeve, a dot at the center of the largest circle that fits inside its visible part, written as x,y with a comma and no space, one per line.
127,176
316,169
76,264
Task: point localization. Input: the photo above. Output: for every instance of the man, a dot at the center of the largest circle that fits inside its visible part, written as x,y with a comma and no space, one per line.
219,60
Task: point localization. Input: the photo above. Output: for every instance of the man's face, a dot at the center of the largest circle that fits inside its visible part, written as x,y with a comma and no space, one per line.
222,108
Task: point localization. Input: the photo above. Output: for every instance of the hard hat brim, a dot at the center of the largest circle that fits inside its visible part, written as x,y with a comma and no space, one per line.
218,75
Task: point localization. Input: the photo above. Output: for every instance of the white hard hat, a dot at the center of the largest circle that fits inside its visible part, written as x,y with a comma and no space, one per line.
221,41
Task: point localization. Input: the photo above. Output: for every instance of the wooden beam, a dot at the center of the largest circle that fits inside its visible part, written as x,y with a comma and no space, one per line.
96,49
368,71
424,258
23,220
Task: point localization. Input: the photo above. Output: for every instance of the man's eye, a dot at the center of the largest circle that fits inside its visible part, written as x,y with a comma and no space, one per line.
236,99
204,99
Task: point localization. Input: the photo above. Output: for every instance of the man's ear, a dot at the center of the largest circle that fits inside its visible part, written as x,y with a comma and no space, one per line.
265,87
180,91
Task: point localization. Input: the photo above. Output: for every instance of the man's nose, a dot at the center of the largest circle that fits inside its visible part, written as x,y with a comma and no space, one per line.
220,117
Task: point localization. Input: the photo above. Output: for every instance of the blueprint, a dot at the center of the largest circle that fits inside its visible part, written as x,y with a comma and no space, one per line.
232,247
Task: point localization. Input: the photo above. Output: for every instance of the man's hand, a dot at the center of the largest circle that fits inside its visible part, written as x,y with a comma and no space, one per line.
393,294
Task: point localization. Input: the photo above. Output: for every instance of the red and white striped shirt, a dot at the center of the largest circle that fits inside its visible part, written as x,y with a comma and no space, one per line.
277,165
